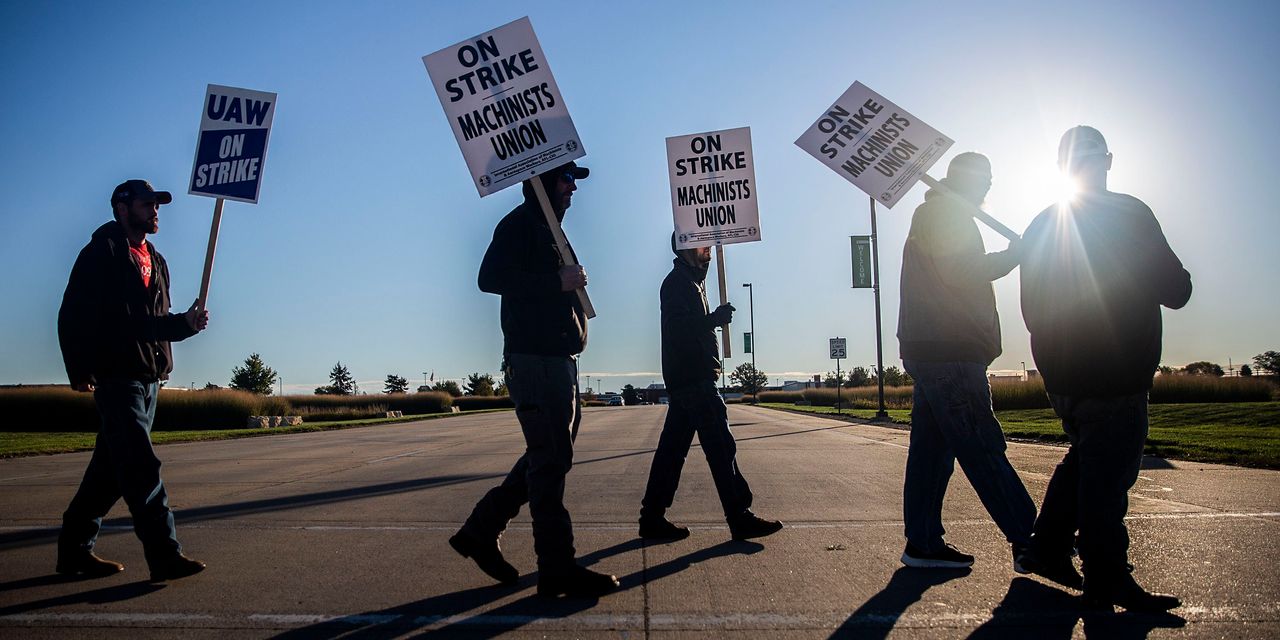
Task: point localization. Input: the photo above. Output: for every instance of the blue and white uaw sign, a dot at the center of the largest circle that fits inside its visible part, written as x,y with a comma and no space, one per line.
504,106
232,148
874,143
713,188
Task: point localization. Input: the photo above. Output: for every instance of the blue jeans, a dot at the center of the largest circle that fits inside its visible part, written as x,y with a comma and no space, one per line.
699,410
124,465
1089,489
952,420
545,392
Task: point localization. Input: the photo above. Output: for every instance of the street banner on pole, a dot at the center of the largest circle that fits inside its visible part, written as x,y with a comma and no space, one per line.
231,148
504,106
746,342
860,250
713,188
873,143
837,347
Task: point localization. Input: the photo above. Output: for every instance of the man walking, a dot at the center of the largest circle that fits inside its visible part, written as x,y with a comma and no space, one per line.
1097,270
690,369
114,328
949,333
544,329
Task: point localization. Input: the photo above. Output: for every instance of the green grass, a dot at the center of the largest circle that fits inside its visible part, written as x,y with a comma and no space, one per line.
29,443
1239,433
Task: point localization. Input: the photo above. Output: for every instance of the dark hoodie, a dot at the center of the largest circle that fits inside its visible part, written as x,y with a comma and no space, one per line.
948,307
110,326
689,345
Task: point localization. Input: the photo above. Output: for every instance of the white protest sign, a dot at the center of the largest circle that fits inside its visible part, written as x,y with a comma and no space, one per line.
837,348
504,106
873,143
231,149
713,188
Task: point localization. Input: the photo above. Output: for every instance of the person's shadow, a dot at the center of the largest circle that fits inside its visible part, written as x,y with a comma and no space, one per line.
878,615
114,593
1031,607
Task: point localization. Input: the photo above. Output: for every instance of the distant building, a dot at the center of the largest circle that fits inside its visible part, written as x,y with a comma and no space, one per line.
653,393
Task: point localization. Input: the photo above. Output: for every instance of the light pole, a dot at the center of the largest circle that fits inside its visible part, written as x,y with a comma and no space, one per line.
751,311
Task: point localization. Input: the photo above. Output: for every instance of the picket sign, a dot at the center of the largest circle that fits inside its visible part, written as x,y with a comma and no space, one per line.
725,336
208,256
562,243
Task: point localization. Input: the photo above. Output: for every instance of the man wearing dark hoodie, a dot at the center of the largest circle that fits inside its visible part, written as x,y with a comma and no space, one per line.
544,329
1097,270
114,328
690,368
949,332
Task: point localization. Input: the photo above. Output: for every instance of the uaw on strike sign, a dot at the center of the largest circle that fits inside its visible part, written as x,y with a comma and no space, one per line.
874,144
504,106
232,146
713,188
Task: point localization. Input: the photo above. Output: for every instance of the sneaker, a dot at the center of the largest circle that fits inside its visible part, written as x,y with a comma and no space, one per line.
750,525
1059,570
174,567
487,555
1130,595
577,582
948,557
660,528
80,561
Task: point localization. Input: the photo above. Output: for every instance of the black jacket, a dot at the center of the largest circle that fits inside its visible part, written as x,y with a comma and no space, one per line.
1094,276
111,327
689,346
523,267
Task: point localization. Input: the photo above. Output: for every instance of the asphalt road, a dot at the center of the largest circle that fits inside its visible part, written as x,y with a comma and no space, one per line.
342,534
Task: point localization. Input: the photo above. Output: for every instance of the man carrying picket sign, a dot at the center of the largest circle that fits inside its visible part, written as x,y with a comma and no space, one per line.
1096,271
949,332
690,369
544,329
114,328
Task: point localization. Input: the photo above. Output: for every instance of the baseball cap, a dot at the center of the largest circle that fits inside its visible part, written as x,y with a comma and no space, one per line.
130,190
1081,142
572,170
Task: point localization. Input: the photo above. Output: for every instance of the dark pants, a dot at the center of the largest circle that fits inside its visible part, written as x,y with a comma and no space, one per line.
1089,489
952,420
702,411
545,392
124,465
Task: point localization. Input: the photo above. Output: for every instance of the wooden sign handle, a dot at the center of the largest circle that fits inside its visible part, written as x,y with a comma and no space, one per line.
562,243
727,337
978,213
208,257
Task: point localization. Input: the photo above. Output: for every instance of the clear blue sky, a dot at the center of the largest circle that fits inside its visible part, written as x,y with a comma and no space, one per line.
368,235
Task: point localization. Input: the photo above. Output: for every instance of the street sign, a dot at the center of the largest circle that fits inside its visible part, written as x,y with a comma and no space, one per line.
504,106
837,348
746,342
873,143
860,249
713,188
231,148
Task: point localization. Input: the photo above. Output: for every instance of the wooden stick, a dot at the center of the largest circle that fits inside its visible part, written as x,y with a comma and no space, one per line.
978,213
724,299
562,243
208,257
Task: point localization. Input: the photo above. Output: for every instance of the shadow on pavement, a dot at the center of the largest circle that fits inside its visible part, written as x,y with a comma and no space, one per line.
1050,613
878,615
105,595
462,613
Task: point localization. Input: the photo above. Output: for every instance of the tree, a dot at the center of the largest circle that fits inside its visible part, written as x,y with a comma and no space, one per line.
255,376
1165,370
859,377
448,386
1203,368
1245,371
751,380
209,386
1268,361
630,396
395,384
895,377
341,382
831,380
479,384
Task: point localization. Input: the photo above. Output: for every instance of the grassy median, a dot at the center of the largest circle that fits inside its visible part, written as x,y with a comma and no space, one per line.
1239,433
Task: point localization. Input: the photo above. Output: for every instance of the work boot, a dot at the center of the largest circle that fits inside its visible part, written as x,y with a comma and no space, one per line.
750,525
659,528
1127,593
174,567
487,555
576,582
1058,569
85,562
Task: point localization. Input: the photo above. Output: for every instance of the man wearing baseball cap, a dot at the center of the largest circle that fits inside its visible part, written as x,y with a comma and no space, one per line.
114,328
544,329
1095,272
